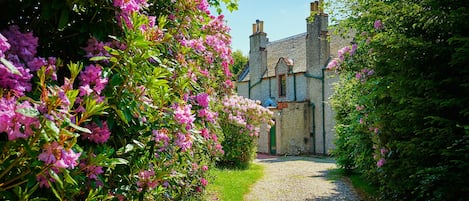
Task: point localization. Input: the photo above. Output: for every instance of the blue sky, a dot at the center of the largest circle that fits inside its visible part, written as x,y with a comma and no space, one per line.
282,18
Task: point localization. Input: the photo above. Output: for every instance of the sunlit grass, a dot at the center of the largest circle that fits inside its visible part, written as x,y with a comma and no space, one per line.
232,185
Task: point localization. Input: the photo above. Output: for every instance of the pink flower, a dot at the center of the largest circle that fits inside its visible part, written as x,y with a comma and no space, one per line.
145,180
85,90
378,25
183,141
359,107
99,134
43,181
183,115
203,99
69,159
381,162
50,153
354,49
205,133
203,181
4,45
333,64
92,171
202,5
161,138
13,123
23,45
92,76
204,168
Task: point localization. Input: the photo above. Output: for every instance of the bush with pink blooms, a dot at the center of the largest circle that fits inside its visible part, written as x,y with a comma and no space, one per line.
111,100
241,121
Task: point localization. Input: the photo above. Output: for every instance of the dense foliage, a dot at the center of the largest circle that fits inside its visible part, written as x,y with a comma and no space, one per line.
402,100
111,100
239,62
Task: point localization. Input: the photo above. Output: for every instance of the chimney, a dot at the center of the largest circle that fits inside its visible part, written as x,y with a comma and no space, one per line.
257,53
317,44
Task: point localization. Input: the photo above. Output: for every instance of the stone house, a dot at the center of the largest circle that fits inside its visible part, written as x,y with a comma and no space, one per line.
289,77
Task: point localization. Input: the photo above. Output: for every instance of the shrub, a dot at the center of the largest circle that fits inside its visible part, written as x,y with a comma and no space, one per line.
124,110
241,121
406,77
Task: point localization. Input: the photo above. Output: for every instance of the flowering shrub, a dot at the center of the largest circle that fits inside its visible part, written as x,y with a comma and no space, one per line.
123,112
399,102
241,121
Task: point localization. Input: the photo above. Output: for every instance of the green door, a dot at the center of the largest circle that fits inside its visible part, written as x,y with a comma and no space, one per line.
272,147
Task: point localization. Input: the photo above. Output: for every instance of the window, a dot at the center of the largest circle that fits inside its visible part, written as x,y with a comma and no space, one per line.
282,85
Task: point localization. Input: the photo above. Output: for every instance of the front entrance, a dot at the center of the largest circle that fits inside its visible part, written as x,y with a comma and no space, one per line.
272,141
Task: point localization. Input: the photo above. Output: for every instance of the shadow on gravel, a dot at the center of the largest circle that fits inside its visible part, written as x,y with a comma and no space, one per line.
277,159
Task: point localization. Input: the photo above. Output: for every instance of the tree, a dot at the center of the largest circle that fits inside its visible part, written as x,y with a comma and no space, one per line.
239,63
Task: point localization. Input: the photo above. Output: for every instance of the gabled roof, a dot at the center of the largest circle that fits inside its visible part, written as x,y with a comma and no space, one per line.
293,48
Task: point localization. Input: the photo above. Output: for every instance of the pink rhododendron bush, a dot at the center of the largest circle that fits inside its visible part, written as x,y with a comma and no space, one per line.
241,120
113,100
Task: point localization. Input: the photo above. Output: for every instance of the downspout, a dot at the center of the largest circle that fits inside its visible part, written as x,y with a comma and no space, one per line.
323,115
249,89
270,88
313,133
294,86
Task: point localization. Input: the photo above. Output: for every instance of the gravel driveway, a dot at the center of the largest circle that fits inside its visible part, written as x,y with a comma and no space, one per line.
298,178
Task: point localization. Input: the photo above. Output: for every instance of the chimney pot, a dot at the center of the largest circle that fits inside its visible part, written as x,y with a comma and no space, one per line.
321,6
254,28
261,26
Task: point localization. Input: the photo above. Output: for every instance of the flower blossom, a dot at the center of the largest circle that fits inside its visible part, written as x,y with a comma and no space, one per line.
203,99
92,171
381,162
4,45
145,180
161,138
53,153
99,134
378,25
13,123
183,141
69,159
183,115
92,78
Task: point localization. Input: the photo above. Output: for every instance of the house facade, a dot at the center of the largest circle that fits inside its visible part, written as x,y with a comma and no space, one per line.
289,77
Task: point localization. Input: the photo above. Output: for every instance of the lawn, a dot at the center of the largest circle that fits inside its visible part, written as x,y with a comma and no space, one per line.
232,185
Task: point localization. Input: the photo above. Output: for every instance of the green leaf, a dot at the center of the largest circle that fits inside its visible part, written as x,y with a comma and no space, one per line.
57,179
53,128
99,58
29,112
75,69
68,178
57,195
63,20
116,80
10,66
79,128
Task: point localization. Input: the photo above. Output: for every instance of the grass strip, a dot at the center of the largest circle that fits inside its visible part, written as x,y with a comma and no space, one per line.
232,185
